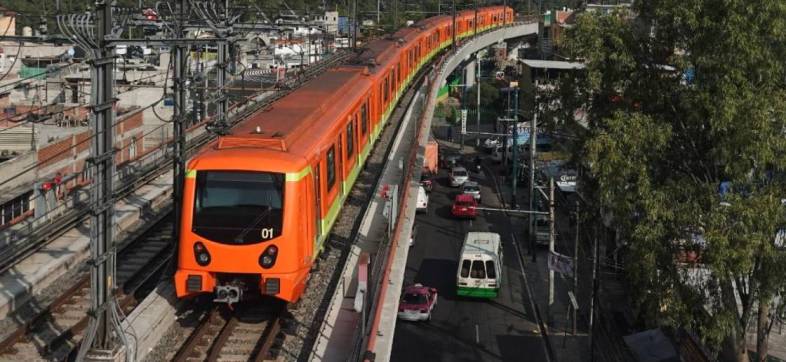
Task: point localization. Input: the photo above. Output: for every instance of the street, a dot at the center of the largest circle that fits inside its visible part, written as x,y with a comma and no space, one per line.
465,329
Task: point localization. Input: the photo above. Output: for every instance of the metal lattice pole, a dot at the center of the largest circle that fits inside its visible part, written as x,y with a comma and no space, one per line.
99,339
179,118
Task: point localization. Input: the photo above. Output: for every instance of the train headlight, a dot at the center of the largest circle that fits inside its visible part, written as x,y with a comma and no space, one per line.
201,254
268,257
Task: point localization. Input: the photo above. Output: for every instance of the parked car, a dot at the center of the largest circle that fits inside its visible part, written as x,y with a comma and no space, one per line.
417,303
422,202
458,176
464,206
471,188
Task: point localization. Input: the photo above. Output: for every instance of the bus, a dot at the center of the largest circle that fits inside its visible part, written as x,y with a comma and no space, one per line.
480,266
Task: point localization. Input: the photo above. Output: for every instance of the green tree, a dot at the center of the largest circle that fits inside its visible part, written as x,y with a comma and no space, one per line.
659,145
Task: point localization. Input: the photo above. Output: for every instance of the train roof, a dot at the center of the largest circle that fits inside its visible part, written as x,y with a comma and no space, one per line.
291,125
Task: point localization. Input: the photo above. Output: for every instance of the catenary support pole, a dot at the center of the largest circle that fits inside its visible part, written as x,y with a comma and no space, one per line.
99,338
179,119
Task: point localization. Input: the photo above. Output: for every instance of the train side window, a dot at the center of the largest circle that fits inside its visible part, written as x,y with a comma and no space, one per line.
350,138
331,168
364,118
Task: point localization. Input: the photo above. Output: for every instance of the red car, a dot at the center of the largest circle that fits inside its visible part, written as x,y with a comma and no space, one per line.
417,302
464,206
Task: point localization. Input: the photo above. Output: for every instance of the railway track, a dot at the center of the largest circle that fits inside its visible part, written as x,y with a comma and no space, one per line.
55,332
246,333
302,322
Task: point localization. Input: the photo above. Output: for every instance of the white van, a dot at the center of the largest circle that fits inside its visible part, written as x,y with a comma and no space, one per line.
422,202
480,266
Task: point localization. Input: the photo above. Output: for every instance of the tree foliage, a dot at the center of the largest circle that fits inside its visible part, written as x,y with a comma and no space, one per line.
660,143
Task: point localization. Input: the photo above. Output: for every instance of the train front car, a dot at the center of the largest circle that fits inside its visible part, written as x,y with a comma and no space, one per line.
239,232
259,203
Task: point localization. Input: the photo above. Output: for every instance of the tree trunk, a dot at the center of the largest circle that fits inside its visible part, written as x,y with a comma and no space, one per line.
762,329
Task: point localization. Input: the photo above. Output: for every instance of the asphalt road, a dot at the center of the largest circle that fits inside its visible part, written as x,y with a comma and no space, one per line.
464,329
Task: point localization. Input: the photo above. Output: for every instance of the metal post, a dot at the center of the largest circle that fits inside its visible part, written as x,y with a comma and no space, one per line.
505,13
378,3
552,236
179,120
395,15
99,338
477,116
533,135
454,24
354,28
515,170
594,291
476,18
576,264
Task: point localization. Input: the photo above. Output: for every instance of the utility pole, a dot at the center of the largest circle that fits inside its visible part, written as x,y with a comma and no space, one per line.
476,17
453,30
515,155
595,254
552,237
533,135
505,13
179,118
395,15
354,28
576,264
104,327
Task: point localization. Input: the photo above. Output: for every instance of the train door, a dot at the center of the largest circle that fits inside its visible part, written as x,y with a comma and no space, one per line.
318,199
341,154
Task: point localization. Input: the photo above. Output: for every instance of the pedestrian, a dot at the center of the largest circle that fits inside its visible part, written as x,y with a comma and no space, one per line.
450,133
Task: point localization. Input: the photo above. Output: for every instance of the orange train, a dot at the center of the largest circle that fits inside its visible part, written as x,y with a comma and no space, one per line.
259,202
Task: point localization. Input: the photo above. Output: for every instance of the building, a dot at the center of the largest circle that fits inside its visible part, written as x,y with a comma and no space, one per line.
7,22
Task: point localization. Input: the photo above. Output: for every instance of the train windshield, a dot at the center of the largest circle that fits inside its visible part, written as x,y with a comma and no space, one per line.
238,207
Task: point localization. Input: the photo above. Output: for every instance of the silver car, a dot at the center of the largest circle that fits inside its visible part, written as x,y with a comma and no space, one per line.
471,188
458,176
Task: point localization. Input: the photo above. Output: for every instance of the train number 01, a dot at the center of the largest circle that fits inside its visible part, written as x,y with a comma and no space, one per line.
266,233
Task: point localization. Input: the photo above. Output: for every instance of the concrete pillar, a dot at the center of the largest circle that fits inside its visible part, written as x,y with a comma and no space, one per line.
470,69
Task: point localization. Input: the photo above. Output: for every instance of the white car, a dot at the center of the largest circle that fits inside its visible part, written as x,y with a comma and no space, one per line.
491,143
458,176
471,188
422,202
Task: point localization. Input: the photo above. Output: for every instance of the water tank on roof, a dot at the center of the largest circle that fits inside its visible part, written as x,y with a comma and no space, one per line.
27,31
